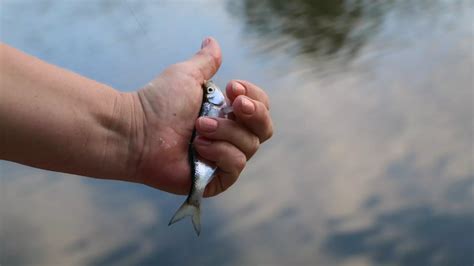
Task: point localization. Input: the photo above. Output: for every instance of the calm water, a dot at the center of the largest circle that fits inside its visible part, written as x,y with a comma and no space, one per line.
371,162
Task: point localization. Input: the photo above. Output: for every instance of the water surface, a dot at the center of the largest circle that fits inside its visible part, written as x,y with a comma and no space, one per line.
370,164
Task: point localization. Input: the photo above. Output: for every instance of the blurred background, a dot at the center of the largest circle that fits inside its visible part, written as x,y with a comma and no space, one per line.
372,158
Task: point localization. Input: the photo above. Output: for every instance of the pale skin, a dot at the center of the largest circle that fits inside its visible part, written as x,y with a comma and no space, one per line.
54,119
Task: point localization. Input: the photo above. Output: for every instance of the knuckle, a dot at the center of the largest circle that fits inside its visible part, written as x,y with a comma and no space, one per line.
267,132
270,130
240,163
255,144
196,73
266,101
192,70
263,109
209,62
214,63
267,126
211,190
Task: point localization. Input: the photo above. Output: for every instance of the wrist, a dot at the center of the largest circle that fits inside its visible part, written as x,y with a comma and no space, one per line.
126,135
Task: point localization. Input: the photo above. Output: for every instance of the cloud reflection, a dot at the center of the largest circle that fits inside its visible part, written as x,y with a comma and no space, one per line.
393,132
411,236
56,219
369,165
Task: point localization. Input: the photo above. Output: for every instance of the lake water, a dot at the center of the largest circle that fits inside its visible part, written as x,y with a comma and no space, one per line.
371,162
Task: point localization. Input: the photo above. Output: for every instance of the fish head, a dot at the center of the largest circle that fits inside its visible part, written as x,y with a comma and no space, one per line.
213,94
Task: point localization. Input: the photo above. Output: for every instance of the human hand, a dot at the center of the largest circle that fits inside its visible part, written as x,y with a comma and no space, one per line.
164,117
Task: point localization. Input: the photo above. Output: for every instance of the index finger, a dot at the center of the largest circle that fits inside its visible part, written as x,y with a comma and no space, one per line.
236,88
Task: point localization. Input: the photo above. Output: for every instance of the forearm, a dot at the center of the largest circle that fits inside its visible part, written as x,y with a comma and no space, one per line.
57,120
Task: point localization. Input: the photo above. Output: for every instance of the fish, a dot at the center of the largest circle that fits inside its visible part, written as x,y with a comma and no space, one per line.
214,104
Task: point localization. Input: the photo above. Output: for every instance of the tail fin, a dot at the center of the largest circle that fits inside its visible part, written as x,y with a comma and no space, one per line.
187,209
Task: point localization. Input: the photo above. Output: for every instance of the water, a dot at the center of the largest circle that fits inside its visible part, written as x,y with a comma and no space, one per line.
370,164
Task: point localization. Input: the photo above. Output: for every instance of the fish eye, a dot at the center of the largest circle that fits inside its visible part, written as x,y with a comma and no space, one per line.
210,89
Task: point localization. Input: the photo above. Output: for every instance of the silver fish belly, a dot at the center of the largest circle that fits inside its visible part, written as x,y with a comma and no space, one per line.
202,171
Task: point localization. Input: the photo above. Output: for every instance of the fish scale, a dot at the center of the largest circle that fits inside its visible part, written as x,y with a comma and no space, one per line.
202,171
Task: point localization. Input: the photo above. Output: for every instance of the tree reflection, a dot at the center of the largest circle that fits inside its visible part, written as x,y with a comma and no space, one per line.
323,27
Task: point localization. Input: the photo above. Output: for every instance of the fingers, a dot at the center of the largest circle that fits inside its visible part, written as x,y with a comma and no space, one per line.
251,107
227,157
254,115
228,143
236,88
205,63
230,131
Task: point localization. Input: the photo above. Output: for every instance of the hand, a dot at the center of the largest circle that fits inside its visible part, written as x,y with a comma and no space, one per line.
165,116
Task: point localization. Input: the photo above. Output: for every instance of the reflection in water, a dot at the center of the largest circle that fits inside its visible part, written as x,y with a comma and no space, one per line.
321,28
55,219
25,248
369,165
411,236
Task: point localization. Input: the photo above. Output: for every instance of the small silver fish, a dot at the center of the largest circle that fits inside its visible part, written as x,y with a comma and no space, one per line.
202,171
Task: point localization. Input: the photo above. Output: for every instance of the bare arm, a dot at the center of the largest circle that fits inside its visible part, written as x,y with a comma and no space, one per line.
57,120
54,119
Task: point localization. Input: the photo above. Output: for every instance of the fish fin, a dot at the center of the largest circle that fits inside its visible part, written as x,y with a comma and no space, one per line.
197,221
187,209
227,109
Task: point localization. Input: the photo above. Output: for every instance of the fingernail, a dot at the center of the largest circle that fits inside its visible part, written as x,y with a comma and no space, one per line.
207,124
203,141
247,106
238,89
205,42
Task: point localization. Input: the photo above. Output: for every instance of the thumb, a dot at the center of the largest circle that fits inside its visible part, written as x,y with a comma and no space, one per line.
208,60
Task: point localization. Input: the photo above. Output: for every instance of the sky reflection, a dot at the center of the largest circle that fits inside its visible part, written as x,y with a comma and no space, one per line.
371,162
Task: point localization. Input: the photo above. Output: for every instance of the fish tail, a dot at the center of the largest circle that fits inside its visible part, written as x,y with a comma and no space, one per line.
188,209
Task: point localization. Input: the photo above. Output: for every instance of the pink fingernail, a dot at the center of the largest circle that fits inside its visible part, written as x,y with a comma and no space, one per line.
205,42
238,89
